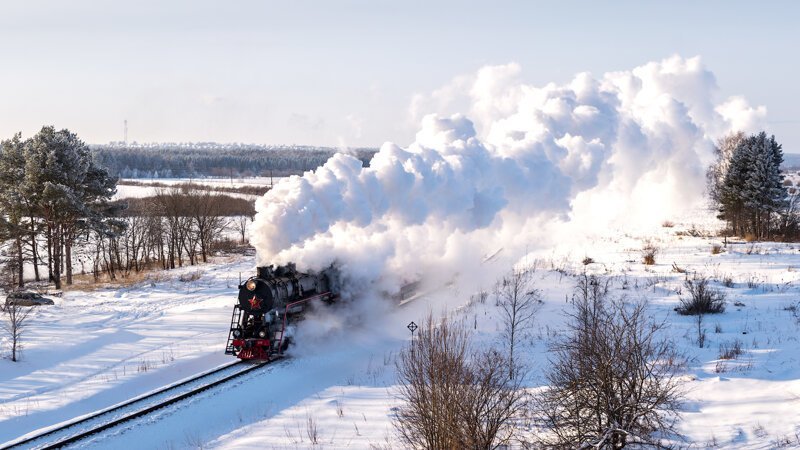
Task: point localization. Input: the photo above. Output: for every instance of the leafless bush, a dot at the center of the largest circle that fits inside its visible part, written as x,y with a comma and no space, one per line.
703,299
224,245
701,331
587,260
649,251
716,249
667,224
453,398
14,325
728,282
144,365
730,350
613,379
312,430
339,409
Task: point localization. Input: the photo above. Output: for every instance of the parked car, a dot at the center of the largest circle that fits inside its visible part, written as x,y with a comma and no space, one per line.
27,299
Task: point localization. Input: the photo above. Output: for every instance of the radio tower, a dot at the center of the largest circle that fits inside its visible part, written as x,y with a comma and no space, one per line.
125,122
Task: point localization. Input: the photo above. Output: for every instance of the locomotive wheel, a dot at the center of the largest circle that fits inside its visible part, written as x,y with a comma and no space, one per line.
285,344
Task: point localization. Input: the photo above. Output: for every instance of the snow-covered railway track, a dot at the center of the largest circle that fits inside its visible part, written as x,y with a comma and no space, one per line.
78,429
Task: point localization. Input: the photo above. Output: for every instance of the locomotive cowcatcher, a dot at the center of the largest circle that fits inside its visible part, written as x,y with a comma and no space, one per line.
269,302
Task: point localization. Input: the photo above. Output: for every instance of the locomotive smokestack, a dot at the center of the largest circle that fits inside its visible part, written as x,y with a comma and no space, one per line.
264,272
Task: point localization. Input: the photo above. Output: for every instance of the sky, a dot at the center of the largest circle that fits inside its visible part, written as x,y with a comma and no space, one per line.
345,73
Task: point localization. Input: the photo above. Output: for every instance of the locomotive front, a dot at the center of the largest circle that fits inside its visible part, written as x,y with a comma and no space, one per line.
268,303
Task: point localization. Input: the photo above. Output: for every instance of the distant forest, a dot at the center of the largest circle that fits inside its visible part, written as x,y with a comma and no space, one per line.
183,160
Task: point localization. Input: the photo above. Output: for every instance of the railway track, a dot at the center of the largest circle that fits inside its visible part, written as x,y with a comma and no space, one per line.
83,427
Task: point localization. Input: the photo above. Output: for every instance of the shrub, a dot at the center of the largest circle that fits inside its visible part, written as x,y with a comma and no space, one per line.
667,224
452,397
586,261
703,299
649,252
225,245
716,249
613,380
750,237
730,350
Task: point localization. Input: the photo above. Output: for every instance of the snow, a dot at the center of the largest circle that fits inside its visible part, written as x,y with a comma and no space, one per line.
96,348
134,191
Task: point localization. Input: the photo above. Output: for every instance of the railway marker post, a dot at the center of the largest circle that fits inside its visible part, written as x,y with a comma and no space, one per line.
413,327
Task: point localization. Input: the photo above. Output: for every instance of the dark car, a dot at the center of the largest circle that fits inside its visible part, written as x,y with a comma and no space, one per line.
27,299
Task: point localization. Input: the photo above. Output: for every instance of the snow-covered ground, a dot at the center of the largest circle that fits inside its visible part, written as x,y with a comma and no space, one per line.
94,349
130,191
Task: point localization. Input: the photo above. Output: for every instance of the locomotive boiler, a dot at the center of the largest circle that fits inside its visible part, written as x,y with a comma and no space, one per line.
270,302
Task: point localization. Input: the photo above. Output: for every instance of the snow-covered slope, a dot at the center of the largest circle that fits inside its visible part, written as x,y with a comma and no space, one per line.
98,348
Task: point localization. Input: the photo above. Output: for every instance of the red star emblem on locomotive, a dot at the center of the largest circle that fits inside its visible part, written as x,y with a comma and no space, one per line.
255,303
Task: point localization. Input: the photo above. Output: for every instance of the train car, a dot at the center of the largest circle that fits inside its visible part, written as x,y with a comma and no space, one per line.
269,303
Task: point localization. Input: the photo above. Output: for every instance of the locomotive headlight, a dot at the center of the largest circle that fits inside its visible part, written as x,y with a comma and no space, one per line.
262,334
251,285
237,333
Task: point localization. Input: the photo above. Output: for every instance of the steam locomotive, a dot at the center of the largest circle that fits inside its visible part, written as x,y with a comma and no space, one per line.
269,302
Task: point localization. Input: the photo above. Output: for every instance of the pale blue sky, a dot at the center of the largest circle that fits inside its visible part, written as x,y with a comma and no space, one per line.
308,72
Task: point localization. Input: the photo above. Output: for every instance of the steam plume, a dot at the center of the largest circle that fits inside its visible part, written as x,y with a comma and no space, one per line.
628,147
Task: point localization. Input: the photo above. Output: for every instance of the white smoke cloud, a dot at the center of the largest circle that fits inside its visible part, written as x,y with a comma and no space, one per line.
628,147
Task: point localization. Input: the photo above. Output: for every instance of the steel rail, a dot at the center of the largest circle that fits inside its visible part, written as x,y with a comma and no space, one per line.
136,413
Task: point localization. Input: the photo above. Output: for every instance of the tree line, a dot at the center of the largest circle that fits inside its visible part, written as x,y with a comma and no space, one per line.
179,160
175,227
56,212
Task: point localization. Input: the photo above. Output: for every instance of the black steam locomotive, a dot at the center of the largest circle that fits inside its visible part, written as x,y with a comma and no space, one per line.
269,302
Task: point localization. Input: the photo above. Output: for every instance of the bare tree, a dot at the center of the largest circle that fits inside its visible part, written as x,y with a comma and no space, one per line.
453,398
432,371
519,303
14,325
492,402
613,380
241,226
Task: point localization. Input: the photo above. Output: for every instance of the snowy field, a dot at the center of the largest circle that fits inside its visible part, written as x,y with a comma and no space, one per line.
95,349
128,191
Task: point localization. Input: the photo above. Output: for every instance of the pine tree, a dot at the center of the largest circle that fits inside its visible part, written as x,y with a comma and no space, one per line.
12,201
764,194
718,170
72,192
752,192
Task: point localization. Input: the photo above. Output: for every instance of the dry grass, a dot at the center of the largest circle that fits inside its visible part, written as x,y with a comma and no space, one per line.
87,283
190,276
716,249
649,251
750,237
